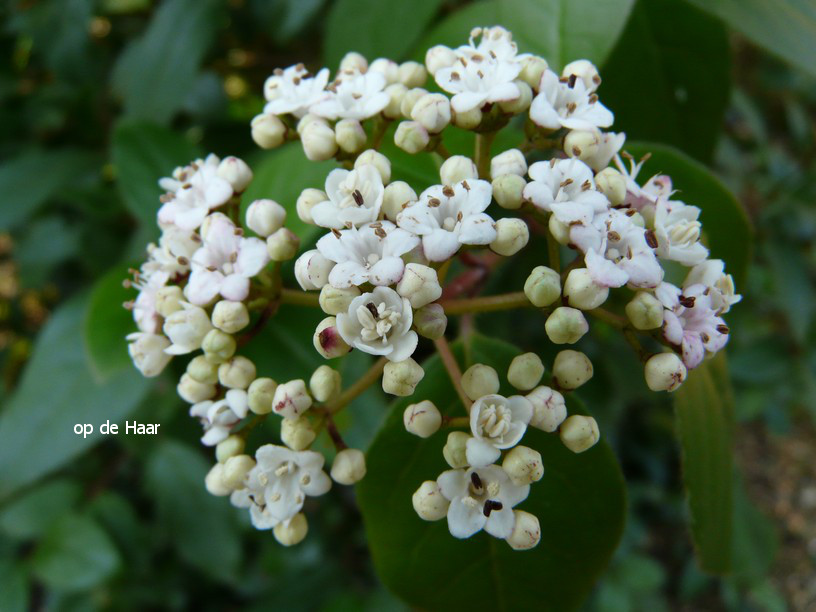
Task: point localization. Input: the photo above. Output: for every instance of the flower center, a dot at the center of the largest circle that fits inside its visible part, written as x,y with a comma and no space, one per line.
481,495
685,232
287,467
495,421
377,321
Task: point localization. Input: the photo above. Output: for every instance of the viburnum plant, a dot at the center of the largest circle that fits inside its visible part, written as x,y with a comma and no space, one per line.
380,274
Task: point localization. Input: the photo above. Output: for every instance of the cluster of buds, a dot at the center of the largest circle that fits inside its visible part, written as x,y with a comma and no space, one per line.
379,272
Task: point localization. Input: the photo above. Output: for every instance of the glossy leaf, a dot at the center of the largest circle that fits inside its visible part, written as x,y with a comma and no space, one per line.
580,503
755,541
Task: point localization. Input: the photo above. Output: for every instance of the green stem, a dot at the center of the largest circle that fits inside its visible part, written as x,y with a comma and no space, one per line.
490,303
449,361
300,298
610,318
355,390
483,142
448,421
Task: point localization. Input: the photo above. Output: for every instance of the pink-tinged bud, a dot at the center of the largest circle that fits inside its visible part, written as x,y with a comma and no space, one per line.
328,341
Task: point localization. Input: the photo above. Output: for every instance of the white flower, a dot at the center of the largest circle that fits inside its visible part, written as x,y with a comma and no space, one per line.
566,102
354,197
353,95
225,263
496,423
145,314
495,41
642,199
174,251
594,147
186,329
194,191
294,90
217,418
711,274
449,216
278,484
565,187
478,80
371,254
148,352
379,323
691,323
481,498
678,232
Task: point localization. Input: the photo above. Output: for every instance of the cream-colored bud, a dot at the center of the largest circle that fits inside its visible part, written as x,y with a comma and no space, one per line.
236,469
438,57
268,131
353,62
214,481
282,245
420,285
432,111
523,465
374,158
457,168
297,433
611,183
480,380
422,419
229,316
430,321
328,341
229,447
665,372
520,104
543,286
511,161
549,408
265,217
468,120
526,532
388,68
566,325
582,144
579,433
349,466
218,346
582,291
333,301
397,196
584,70
192,391
237,373
411,137
396,92
291,399
455,451
236,172
401,378
203,370
350,135
525,371
307,120
293,531
312,270
318,140
559,230
168,300
429,503
512,235
307,200
409,99
645,311
412,74
571,369
532,69
508,190
325,383
260,395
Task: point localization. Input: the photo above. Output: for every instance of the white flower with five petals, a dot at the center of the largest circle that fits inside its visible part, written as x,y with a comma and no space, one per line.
353,95
194,191
566,102
148,352
495,41
294,90
355,197
218,417
691,323
479,79
711,274
173,253
642,198
565,187
678,232
497,423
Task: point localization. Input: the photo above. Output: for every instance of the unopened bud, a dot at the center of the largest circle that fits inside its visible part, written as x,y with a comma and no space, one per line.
396,92
168,300
328,341
579,433
388,68
237,373
432,111
566,325
265,217
559,230
293,531
571,369
397,196
511,161
525,371
518,105
422,419
307,200
469,120
353,62
192,391
401,378
282,245
584,70
438,57
480,380
214,481
526,532
455,449
319,142
549,408
236,469
665,372
229,447
350,135
236,172
508,190
218,346
645,311
523,465
511,236
457,168
333,301
420,285
411,137
203,370
429,503
543,286
595,148
312,270
611,183
349,466
532,69
374,158
430,321
291,399
268,131
412,74
410,98
229,316
297,434
260,395
325,383
582,291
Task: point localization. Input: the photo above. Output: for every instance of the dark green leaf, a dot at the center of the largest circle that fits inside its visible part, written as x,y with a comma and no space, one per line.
668,78
580,503
29,516
13,587
755,542
45,244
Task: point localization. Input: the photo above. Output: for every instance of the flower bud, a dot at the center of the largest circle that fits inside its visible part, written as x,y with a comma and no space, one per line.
353,62
645,311
665,372
438,57
350,135
333,301
579,433
523,465
455,449
401,378
325,383
319,142
511,236
148,353
297,433
291,399
480,380
410,98
203,370
429,503
268,131
584,70
293,531
412,74
388,68
566,325
214,481
186,329
411,137
582,292
307,200
265,217
229,447
518,105
396,92
282,245
511,161
525,371
457,168
229,316
549,408
543,286
397,196
430,321
168,300
260,395
571,369
526,532
374,158
422,419
432,111
508,190
560,231
349,466
235,470
312,270
237,373
420,285
192,391
327,340
611,183
468,120
218,346
236,172
532,69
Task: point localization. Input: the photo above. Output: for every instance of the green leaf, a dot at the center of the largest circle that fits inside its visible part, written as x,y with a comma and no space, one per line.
704,425
74,555
155,72
559,30
202,528
45,243
754,542
727,229
142,154
580,503
784,27
13,587
57,391
668,79
29,516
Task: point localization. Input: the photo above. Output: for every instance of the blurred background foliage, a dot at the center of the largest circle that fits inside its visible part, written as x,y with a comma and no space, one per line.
98,98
